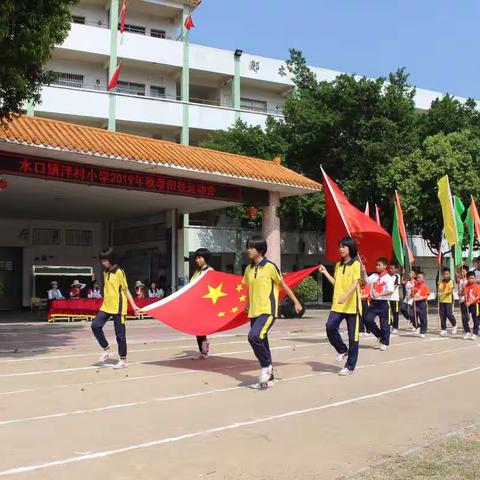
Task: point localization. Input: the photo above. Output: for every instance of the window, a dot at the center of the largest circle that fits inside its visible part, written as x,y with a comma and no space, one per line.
131,88
79,238
158,33
78,19
46,236
255,105
68,79
133,28
156,91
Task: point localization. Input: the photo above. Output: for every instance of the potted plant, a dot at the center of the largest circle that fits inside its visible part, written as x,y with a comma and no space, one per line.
306,291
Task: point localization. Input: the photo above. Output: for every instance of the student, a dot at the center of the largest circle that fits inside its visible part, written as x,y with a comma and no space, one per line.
382,287
445,299
420,296
366,299
114,306
54,293
407,308
139,289
94,292
346,304
76,290
263,279
472,300
201,259
395,298
462,283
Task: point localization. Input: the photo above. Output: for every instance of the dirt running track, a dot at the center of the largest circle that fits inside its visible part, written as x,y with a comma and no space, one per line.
168,416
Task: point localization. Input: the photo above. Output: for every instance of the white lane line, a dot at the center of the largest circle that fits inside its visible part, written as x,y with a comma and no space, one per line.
131,352
233,426
173,359
220,390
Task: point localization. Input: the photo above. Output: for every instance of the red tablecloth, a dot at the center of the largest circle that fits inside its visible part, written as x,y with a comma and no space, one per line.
86,307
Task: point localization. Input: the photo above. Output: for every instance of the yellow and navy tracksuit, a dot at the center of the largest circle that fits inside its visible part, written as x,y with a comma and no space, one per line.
201,338
262,280
446,304
345,275
114,305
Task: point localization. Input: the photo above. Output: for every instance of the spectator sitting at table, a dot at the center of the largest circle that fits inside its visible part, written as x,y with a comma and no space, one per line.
154,292
94,292
54,293
76,290
139,289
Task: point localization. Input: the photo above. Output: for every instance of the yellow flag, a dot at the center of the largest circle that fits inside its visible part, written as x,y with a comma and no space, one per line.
448,213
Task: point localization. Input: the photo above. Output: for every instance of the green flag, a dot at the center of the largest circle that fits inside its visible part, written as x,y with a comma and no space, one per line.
471,234
459,209
397,239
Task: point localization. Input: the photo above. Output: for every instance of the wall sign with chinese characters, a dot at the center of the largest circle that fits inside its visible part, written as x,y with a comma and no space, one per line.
49,169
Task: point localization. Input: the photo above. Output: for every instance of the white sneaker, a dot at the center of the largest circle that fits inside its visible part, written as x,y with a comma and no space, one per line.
413,328
473,337
417,331
104,356
345,371
341,357
363,334
443,333
266,379
120,364
383,347
201,356
423,335
454,330
205,347
394,331
467,336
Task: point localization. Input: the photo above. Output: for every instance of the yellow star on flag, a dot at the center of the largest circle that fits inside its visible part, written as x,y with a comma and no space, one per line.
240,287
220,314
215,293
243,298
234,309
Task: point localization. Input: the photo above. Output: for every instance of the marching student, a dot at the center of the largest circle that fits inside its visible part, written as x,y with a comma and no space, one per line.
116,294
382,287
472,301
445,305
420,297
462,283
346,304
263,280
407,307
201,258
395,297
365,297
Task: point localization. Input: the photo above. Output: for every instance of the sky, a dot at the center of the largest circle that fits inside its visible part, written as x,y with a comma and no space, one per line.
436,40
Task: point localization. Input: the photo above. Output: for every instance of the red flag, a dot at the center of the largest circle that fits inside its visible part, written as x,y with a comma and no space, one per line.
123,12
377,214
401,227
189,23
475,217
343,219
114,79
439,256
367,209
217,299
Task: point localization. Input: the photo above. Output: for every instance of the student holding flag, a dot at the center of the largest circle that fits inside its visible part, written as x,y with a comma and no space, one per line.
421,293
472,301
395,298
445,306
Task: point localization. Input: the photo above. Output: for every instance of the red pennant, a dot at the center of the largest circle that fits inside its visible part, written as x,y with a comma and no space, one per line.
343,219
123,12
189,23
215,302
114,79
377,214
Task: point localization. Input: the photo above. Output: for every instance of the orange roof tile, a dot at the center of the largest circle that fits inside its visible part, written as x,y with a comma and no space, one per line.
43,132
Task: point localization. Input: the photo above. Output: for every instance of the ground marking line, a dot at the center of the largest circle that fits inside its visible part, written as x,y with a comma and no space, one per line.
233,426
213,391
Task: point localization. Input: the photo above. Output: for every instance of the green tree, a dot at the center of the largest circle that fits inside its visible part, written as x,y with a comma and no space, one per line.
415,176
29,29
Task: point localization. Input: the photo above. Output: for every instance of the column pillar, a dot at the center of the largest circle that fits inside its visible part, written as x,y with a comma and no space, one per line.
112,97
271,228
185,87
236,86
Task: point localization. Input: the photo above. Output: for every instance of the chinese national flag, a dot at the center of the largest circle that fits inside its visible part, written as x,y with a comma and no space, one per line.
123,12
114,79
214,302
343,219
189,23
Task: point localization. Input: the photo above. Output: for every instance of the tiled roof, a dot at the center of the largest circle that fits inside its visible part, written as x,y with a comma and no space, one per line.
46,133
